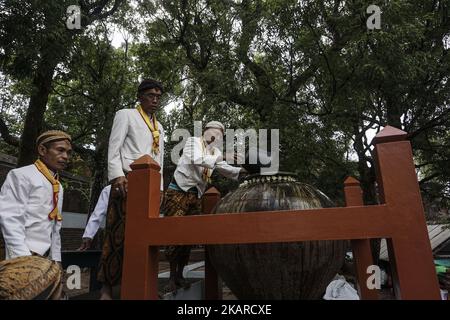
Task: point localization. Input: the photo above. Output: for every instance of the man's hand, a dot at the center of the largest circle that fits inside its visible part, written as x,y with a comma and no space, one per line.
120,186
243,173
86,244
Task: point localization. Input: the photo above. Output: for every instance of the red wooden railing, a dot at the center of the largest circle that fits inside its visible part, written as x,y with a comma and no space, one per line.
400,219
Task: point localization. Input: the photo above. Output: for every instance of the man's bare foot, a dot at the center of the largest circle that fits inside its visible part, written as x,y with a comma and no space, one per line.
106,293
171,287
183,283
105,296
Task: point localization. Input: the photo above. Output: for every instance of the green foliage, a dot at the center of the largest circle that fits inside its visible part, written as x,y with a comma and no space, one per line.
311,69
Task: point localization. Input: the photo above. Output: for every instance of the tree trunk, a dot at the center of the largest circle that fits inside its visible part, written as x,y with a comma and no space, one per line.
53,50
42,85
393,113
367,180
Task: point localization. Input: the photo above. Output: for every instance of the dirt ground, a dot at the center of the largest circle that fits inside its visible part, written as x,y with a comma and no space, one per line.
83,292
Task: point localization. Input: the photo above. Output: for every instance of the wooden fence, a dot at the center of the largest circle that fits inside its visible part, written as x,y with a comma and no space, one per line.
399,218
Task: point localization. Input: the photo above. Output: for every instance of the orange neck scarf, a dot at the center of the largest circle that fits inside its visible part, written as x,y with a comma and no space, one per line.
54,214
206,172
153,129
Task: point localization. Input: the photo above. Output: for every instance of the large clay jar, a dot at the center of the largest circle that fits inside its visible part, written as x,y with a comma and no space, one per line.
296,270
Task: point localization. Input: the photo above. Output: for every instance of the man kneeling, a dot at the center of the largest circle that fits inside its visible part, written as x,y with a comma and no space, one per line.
30,218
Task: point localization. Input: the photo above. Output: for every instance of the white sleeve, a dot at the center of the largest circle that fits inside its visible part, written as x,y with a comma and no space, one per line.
56,242
98,215
194,152
227,170
119,131
161,154
55,248
12,214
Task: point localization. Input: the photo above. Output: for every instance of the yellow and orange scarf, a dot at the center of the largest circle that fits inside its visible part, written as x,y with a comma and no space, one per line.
54,214
153,129
206,172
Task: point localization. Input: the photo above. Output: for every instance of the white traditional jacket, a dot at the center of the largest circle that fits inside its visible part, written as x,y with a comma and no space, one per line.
26,199
130,139
196,157
99,213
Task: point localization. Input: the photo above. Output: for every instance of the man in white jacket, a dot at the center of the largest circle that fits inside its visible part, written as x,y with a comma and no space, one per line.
135,132
201,156
31,201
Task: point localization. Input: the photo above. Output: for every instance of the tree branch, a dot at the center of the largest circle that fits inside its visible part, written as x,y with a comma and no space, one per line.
431,177
7,137
442,118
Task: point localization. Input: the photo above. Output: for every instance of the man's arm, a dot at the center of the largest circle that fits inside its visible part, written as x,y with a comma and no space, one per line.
119,131
229,171
13,197
98,215
55,248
